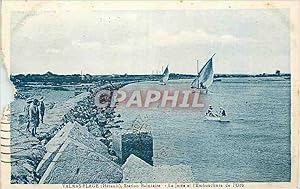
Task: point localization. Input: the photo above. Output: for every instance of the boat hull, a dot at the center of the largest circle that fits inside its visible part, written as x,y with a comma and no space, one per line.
218,119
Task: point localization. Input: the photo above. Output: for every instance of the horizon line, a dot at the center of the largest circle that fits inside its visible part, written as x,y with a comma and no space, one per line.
266,73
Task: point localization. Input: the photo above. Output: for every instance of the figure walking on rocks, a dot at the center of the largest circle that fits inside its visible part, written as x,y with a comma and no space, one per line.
42,109
34,116
26,110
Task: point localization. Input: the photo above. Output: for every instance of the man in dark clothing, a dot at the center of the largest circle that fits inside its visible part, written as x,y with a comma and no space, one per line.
202,86
222,112
42,109
210,112
26,110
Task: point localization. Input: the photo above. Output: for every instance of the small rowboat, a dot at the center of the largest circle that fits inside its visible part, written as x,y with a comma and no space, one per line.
218,119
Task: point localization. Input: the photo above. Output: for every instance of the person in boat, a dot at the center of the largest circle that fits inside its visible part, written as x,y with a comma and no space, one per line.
202,86
222,112
210,111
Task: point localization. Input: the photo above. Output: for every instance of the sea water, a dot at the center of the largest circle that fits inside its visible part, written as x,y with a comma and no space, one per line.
253,146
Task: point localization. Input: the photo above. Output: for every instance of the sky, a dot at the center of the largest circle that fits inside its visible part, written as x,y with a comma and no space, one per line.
141,42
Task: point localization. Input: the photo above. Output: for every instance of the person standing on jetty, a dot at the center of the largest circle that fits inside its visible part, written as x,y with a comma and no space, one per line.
34,116
42,109
26,110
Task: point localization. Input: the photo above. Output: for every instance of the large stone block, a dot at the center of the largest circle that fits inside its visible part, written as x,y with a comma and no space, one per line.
76,133
135,170
76,163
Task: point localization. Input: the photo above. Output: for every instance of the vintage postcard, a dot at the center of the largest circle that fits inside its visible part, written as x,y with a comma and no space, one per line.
141,94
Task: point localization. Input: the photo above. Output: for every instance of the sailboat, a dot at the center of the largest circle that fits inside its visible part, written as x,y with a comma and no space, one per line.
165,76
205,77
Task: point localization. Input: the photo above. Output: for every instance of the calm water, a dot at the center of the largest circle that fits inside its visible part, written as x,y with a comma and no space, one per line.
254,146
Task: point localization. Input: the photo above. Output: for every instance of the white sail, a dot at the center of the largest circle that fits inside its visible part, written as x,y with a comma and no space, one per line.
205,77
166,75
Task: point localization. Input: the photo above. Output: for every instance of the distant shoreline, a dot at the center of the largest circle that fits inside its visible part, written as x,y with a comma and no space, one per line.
141,75
73,79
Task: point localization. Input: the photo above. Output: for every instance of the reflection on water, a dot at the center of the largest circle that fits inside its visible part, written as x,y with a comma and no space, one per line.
254,146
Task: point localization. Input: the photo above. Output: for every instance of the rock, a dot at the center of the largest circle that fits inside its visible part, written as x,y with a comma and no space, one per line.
115,159
20,173
44,164
78,134
112,126
76,163
135,170
105,141
38,152
107,133
119,121
96,132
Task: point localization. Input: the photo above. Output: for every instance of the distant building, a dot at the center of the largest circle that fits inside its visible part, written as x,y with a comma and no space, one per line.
277,72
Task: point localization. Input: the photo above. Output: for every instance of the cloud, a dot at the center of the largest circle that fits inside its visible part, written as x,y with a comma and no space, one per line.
198,36
142,41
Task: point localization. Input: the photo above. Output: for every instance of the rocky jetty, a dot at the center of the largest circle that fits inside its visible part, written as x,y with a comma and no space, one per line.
32,156
83,142
97,121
